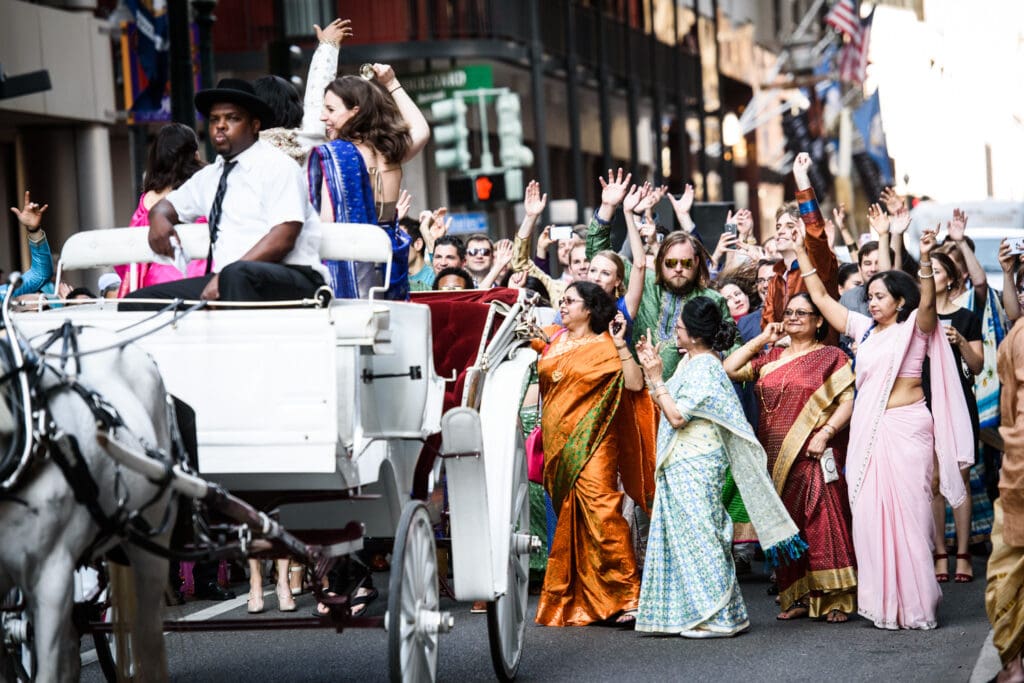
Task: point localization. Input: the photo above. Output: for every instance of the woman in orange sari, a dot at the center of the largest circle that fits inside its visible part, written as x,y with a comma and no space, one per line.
598,425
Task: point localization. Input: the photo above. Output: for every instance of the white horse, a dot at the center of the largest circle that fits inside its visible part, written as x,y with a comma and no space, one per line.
44,532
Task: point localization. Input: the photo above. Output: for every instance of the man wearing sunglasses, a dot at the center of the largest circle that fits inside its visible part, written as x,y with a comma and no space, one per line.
800,221
479,256
680,274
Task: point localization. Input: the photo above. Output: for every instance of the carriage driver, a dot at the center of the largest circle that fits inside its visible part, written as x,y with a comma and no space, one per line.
264,233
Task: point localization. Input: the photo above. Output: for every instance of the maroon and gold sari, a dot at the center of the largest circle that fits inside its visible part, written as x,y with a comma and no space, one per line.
796,396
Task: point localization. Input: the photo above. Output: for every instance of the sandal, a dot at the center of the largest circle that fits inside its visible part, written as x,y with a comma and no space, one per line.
254,605
836,616
961,577
627,619
358,603
941,577
798,610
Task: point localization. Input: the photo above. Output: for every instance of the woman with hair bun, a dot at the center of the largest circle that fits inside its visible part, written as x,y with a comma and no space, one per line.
689,584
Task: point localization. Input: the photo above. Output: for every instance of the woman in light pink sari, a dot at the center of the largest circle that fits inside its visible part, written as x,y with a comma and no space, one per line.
895,441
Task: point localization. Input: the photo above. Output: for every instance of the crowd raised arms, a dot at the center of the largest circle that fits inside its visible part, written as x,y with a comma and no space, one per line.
815,402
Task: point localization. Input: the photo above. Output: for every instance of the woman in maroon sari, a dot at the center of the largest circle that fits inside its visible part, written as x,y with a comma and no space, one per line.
806,399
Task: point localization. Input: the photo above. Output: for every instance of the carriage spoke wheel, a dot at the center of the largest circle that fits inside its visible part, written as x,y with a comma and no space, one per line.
413,620
506,616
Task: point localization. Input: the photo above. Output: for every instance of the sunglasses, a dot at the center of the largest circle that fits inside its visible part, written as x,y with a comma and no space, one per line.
792,313
568,301
673,263
479,251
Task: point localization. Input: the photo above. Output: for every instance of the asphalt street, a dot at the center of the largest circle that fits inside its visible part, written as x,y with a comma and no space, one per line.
771,651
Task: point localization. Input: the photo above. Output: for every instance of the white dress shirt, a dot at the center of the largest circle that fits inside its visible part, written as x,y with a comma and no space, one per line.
265,189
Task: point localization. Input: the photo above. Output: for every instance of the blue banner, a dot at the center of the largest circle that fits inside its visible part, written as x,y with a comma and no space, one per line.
868,119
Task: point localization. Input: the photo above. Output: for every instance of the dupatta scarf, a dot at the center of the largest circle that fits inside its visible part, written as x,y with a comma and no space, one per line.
340,165
584,396
702,390
878,364
993,328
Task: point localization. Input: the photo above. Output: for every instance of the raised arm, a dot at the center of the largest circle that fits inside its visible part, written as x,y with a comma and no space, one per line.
39,273
1006,261
502,258
613,191
815,238
955,229
632,374
635,287
879,221
833,311
323,69
419,129
736,361
533,207
839,217
926,317
681,208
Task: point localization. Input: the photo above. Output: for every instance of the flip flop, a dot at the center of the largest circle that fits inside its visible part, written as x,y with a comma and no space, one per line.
361,601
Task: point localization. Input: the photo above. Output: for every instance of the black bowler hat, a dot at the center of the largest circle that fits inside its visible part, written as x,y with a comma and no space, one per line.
235,91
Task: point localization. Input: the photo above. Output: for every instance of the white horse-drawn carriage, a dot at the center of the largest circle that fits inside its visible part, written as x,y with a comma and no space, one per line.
326,413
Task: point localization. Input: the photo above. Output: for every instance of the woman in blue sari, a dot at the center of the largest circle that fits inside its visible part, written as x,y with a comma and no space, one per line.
374,127
689,584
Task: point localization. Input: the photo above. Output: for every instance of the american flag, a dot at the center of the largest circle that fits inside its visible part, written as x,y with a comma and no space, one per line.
853,57
844,17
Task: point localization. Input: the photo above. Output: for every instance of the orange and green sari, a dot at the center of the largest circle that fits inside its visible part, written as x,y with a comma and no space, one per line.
595,432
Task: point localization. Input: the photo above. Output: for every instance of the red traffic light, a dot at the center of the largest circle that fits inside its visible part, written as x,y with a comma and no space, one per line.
484,186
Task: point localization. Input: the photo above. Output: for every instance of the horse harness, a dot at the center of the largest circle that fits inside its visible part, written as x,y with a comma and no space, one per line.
63,448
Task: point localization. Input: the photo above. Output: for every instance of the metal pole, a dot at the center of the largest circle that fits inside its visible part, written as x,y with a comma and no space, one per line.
702,156
204,21
573,109
725,167
182,109
604,108
540,138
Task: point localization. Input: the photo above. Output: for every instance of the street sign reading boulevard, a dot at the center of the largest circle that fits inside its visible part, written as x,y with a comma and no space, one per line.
432,86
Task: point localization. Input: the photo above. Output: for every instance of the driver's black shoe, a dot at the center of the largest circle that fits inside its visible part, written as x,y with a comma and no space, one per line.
213,591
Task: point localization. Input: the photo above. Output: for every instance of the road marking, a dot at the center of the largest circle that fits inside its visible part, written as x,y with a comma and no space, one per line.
90,657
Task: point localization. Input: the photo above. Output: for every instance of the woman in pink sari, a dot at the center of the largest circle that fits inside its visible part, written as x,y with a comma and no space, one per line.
895,441
173,158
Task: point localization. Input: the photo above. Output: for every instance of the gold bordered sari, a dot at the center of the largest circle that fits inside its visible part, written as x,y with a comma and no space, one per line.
595,431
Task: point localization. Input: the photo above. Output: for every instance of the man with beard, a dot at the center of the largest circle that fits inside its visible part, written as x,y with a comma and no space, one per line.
794,217
680,274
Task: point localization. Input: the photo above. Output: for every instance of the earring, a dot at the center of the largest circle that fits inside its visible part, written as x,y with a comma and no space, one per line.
899,309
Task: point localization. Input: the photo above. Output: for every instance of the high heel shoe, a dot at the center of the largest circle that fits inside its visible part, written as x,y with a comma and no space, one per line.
254,605
285,601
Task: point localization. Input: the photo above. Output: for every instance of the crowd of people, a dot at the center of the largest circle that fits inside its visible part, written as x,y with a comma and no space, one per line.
817,397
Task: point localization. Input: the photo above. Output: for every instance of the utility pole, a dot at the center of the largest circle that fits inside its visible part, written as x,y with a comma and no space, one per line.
182,91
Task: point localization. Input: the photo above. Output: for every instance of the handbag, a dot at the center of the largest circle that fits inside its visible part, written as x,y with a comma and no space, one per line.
535,441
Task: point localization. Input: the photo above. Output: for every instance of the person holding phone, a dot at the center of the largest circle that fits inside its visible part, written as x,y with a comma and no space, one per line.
805,392
598,426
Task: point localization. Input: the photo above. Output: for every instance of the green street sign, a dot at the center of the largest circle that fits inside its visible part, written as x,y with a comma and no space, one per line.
432,86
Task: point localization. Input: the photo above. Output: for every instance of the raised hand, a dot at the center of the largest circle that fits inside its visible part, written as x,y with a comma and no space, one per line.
878,219
1006,259
503,251
653,196
839,215
802,165
927,243
384,75
726,242
533,201
893,202
900,221
830,232
335,32
614,190
31,213
403,205
618,330
956,227
744,222
544,239
685,201
438,225
772,333
637,193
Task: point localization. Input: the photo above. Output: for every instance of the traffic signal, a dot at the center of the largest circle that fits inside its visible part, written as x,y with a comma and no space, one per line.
512,151
452,138
486,188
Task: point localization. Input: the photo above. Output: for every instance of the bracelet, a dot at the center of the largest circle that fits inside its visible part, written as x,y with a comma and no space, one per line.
925,264
394,89
659,385
925,276
626,357
809,273
830,428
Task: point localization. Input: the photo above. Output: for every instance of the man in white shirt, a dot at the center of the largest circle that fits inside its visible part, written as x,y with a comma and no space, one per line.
265,234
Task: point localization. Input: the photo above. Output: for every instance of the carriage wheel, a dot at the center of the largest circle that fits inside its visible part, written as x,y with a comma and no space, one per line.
413,620
506,616
19,659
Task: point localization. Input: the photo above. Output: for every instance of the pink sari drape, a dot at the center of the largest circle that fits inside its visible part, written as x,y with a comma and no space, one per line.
889,471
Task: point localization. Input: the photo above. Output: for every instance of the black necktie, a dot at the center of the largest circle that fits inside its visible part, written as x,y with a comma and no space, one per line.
215,210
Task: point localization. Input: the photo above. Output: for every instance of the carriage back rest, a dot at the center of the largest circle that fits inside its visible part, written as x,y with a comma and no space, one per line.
117,246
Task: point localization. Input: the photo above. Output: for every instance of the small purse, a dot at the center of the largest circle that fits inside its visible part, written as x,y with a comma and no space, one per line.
535,456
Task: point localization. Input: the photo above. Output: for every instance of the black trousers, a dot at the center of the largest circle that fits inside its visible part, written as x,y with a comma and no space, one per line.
239,281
